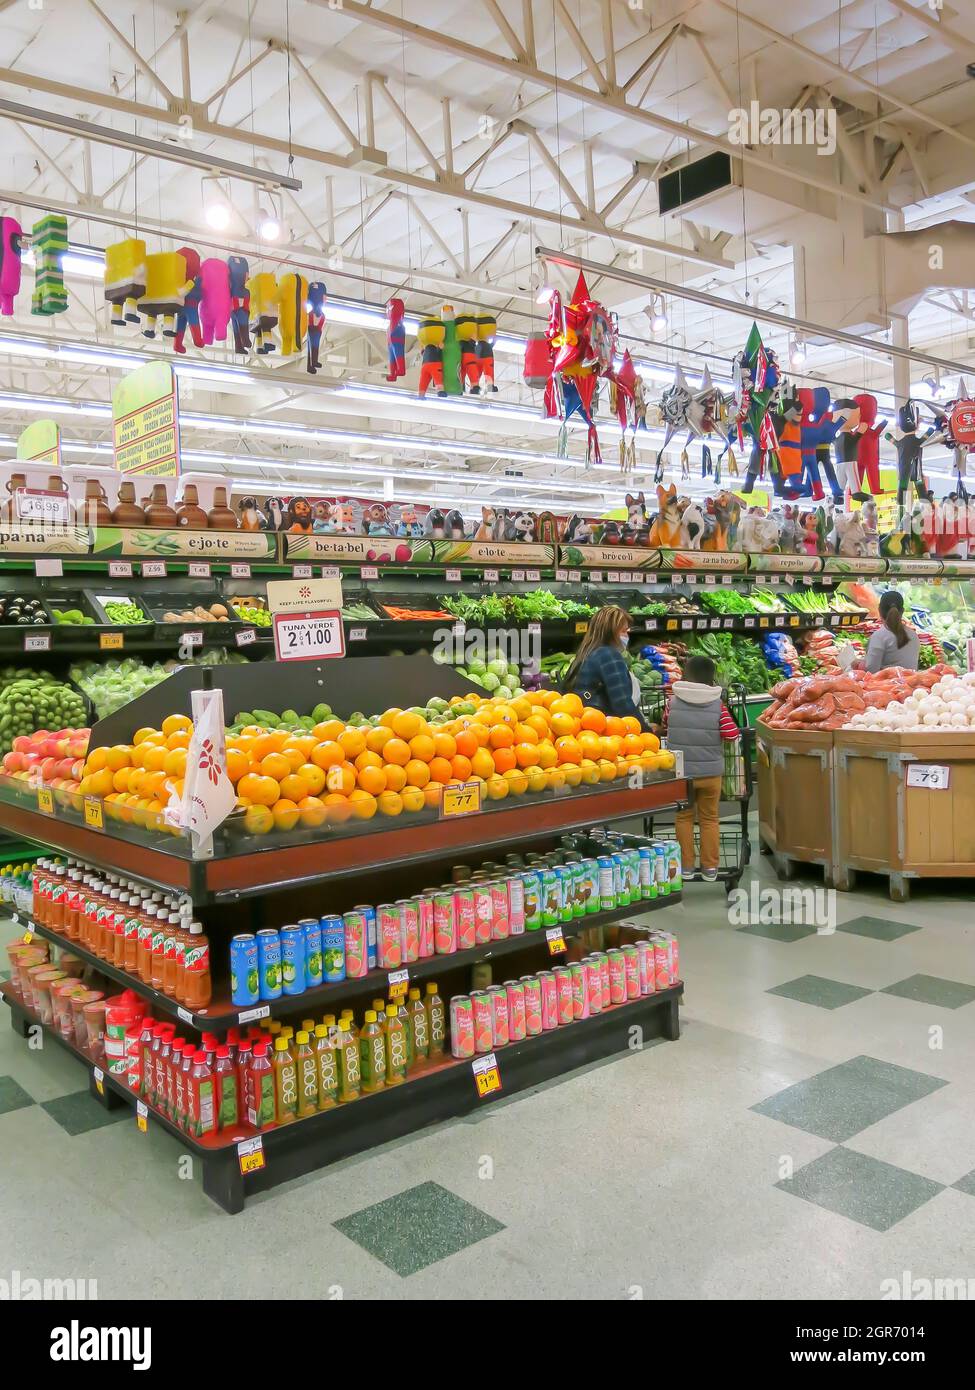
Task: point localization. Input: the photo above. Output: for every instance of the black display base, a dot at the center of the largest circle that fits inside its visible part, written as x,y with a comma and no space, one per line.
446,1090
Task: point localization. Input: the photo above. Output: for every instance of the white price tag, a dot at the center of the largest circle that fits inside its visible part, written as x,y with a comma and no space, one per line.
368,572
453,576
518,576
184,1014
308,636
562,575
250,1155
575,576
728,622
397,983
357,634
613,577
929,776
99,1078
687,624
491,576
715,622
459,629
48,569
710,579
245,637
834,619
533,576
807,579
534,629
677,579
749,622
819,619
154,569
595,576
120,569
251,1015
302,572
331,572
644,578
199,569
191,639
239,569
141,1116
37,641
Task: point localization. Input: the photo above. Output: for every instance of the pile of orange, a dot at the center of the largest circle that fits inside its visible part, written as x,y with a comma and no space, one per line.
337,772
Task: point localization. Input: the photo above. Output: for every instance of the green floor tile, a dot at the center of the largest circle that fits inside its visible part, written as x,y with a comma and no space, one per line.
840,1102
12,1095
80,1112
864,1189
967,1183
778,931
877,928
819,991
418,1227
928,989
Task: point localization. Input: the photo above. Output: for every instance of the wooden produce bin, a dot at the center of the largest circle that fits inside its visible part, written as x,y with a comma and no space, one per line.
886,827
795,801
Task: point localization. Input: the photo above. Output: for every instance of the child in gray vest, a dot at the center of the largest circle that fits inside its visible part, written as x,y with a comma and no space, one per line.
697,723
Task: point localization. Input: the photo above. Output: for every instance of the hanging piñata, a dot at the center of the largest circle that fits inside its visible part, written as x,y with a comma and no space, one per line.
582,336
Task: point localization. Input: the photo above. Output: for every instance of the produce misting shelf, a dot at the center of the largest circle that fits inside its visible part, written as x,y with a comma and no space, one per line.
261,868
222,1014
439,1092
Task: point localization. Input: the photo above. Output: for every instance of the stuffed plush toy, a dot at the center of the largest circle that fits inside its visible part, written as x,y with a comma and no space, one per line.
316,324
788,431
293,312
846,413
125,279
395,339
215,303
430,339
470,367
165,279
486,329
240,303
909,445
819,429
188,316
263,290
867,469
50,241
11,250
452,383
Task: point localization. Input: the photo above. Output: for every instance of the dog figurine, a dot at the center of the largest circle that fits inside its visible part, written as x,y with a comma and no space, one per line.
848,536
665,529
637,528
693,525
491,525
759,532
578,530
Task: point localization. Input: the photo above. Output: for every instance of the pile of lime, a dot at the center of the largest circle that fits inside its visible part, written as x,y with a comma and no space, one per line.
30,701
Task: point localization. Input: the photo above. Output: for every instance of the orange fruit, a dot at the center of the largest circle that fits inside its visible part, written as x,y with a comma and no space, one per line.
432,794
502,736
390,804
285,814
397,751
573,774
119,756
120,779
367,759
293,756
377,738
176,723
314,777
526,754
175,763
441,770
417,773
612,745
275,765
568,750
547,756
141,735
593,719
406,725
294,787
328,730
632,743
555,777
337,808
481,734
590,771
445,745
525,733
467,744
539,723
340,778
570,704
462,767
352,742
304,743
506,715
237,764
181,739
564,725
482,763
614,726
363,804
387,717
261,790
517,781
267,743
413,798
327,754
258,820
372,780
631,725
155,759
497,788
311,811
607,770
101,782
422,746
395,776
504,759
650,743
521,706
537,779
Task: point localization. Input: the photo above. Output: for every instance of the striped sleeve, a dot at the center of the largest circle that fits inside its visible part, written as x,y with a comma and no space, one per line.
727,726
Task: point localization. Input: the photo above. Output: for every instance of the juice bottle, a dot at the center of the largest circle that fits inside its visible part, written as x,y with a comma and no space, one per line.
372,1053
130,945
380,1006
183,1088
260,1088
419,1026
395,1047
163,1057
157,955
174,1076
150,1085
202,1115
350,1076
436,1017
285,1083
169,954
242,1064
308,1026
403,1015
225,1088
307,1064
328,1068
197,969
182,941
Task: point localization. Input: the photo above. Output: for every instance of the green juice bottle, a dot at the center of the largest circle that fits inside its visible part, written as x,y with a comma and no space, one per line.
402,1013
328,1068
372,1053
437,1020
307,1066
285,1083
380,1006
396,1054
419,1026
350,1076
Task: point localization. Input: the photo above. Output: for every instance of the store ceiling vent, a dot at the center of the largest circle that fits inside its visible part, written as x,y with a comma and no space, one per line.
715,192
684,188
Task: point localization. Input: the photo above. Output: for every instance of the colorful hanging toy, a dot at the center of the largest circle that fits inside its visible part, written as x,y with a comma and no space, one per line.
292,312
240,303
50,241
430,340
163,297
395,339
11,250
263,290
125,279
758,380
582,336
316,324
188,316
681,409
486,330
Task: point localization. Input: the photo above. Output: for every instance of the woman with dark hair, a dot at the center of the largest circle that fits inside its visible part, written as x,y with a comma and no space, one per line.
599,675
894,643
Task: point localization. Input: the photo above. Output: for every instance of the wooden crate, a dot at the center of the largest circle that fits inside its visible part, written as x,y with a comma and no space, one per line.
886,827
794,776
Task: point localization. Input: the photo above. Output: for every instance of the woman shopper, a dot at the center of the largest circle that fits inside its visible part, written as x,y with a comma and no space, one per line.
697,722
894,643
599,674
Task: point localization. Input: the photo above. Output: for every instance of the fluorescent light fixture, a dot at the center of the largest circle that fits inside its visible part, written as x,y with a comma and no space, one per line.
89,266
49,405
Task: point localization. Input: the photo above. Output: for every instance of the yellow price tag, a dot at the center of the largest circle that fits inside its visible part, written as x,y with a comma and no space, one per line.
398,982
487,1077
763,622
461,801
250,1155
93,813
142,1117
45,800
111,641
556,941
28,937
671,624
99,1076
794,620
582,627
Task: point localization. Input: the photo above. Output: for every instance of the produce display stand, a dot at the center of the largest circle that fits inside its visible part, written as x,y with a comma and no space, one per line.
795,798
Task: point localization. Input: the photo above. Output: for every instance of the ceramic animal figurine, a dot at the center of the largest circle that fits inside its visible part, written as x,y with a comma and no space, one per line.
759,533
665,529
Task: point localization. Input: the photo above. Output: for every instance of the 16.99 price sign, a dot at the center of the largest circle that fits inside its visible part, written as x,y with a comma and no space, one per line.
308,636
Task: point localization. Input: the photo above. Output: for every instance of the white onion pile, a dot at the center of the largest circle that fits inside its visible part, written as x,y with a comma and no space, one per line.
949,706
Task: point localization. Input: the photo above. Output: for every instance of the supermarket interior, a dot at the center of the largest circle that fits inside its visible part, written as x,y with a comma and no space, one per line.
487,651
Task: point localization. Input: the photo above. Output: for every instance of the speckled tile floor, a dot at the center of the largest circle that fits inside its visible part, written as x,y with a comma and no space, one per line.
811,1135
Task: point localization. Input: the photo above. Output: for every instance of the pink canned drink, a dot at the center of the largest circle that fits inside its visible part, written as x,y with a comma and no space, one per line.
550,1000
500,926
578,974
648,983
464,917
563,992
603,959
617,976
389,944
483,1020
515,991
594,984
516,906
425,910
409,929
631,963
483,913
444,926
533,1005
356,931
500,1028
673,955
461,1026
661,963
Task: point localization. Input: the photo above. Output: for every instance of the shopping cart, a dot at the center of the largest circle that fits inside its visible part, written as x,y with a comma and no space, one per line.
735,850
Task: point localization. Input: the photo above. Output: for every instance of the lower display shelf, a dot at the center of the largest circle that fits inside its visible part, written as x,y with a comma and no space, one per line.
438,1092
